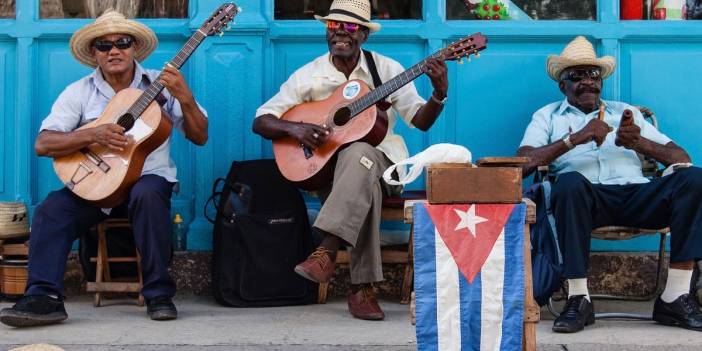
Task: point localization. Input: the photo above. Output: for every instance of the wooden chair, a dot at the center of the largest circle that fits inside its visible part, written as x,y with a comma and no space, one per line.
393,210
103,282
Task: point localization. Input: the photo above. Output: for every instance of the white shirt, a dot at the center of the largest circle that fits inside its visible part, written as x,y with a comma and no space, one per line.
318,79
84,100
606,164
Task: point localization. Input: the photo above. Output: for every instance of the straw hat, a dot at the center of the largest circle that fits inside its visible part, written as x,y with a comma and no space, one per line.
352,11
578,52
14,221
111,22
38,347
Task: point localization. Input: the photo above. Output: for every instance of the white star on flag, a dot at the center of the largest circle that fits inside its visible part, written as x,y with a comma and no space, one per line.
468,220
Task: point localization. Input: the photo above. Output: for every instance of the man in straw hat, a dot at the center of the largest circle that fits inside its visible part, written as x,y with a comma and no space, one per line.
591,147
114,46
350,214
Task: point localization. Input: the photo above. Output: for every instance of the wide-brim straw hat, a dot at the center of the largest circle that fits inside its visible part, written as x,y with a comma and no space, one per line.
112,22
351,11
14,221
578,52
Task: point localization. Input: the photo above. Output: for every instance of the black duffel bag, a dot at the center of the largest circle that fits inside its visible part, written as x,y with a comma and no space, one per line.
261,231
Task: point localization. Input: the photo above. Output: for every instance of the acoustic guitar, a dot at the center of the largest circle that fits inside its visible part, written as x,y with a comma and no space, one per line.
351,114
103,176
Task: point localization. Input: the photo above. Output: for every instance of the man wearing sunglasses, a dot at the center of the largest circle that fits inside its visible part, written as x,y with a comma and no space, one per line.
591,148
114,46
350,214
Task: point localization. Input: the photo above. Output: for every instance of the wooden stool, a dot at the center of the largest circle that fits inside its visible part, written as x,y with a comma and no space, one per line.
103,282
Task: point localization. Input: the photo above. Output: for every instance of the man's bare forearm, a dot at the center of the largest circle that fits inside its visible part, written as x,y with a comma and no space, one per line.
666,154
541,156
271,127
57,144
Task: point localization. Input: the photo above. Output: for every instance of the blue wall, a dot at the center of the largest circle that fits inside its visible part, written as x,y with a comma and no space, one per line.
490,100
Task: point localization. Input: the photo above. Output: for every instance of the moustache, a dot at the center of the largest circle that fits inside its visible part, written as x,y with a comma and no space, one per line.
588,90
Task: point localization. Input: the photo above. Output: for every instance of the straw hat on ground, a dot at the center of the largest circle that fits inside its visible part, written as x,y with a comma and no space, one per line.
578,52
14,221
112,22
38,347
351,11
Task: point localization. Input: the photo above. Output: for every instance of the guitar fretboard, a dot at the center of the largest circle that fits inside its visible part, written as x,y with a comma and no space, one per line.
155,88
390,86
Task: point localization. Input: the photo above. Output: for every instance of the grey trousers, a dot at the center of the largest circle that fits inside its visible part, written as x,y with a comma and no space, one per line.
351,207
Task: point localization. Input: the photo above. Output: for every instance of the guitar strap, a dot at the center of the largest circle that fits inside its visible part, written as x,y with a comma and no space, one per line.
373,69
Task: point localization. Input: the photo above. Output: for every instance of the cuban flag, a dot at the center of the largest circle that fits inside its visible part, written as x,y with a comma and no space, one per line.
469,276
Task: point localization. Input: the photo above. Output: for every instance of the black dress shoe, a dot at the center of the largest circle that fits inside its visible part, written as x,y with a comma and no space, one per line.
161,308
32,311
684,312
577,313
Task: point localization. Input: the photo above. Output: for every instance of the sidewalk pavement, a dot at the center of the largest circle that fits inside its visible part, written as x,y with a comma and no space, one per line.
203,325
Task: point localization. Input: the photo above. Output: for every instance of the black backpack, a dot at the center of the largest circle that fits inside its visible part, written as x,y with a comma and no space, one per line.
261,231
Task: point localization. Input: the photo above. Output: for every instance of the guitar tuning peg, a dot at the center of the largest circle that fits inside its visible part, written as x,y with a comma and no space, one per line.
477,54
220,33
460,61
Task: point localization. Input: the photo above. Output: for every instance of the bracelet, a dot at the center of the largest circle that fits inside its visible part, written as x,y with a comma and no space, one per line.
440,102
569,144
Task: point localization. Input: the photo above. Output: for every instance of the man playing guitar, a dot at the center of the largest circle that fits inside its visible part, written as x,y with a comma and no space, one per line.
350,214
113,44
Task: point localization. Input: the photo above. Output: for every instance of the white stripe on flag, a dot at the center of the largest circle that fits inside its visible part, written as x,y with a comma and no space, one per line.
491,312
448,310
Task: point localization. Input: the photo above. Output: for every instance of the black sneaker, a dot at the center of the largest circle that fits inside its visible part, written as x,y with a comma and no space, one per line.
32,311
684,312
577,313
161,308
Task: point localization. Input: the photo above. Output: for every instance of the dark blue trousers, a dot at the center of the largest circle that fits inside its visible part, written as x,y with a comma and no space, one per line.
673,201
63,216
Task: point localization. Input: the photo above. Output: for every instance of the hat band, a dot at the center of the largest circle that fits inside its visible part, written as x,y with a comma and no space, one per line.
348,13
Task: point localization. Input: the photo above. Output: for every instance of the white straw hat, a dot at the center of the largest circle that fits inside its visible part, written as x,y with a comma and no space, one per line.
112,22
578,52
14,221
352,11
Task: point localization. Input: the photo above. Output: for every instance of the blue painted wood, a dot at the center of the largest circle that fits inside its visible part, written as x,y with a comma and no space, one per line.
490,100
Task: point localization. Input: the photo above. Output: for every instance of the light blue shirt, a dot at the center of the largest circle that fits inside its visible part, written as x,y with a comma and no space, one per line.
607,164
84,100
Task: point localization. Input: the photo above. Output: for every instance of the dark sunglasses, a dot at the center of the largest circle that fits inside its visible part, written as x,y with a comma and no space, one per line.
348,27
577,75
106,45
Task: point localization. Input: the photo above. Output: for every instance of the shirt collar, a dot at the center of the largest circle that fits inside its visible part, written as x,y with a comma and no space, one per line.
105,88
565,105
330,70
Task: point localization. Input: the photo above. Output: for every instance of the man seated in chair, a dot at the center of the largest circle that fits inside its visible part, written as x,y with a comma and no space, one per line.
599,182
352,205
112,45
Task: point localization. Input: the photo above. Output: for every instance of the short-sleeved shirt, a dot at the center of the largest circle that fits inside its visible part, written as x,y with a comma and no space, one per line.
84,100
318,79
607,164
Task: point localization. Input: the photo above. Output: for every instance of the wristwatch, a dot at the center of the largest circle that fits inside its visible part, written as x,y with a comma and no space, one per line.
440,102
566,140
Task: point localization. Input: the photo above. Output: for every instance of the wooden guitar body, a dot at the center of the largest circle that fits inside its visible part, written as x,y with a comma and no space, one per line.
312,171
103,176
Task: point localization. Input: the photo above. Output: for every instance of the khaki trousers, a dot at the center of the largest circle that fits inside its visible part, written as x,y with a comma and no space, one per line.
351,207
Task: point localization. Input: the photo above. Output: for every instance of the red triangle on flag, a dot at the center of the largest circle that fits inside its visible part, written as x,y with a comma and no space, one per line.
470,232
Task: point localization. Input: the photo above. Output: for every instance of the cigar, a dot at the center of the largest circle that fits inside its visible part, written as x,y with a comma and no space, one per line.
600,116
627,116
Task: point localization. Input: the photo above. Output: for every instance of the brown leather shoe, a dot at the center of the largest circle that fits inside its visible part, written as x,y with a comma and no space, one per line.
363,304
318,267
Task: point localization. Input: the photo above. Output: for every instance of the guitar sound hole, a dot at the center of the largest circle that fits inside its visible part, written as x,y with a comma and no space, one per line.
126,121
342,116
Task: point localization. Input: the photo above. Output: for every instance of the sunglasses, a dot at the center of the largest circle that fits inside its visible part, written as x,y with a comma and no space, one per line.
106,45
580,74
348,27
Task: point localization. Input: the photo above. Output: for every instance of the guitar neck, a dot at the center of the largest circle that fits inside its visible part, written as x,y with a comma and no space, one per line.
155,88
389,87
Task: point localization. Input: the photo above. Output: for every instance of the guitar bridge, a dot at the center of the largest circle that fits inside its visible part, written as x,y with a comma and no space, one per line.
307,151
96,160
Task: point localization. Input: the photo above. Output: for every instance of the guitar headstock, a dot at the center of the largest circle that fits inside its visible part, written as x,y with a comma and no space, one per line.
220,18
465,47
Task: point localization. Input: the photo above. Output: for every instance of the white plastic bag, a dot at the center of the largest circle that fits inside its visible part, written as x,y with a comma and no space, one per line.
438,153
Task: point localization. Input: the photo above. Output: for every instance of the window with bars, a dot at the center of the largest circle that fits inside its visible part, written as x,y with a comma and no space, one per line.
381,9
7,8
521,9
130,8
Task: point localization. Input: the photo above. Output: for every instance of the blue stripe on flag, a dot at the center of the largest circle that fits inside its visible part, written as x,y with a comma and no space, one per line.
513,301
471,299
425,279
